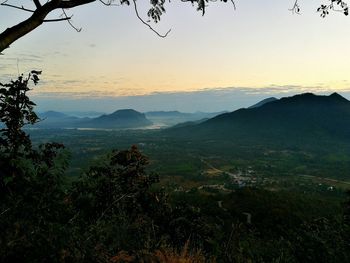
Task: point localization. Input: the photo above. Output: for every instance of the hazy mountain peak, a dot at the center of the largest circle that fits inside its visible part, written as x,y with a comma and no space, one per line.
124,118
312,98
52,114
305,95
337,96
125,111
264,101
124,114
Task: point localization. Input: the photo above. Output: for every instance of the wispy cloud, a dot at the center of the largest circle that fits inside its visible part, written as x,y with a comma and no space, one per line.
66,88
216,99
22,58
72,95
271,89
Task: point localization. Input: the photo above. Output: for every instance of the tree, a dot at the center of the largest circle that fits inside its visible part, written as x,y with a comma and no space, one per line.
16,110
112,207
32,209
40,11
116,207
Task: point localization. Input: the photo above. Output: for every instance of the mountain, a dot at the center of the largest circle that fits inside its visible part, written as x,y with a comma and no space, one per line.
189,123
263,102
54,119
298,119
170,118
126,118
52,114
83,114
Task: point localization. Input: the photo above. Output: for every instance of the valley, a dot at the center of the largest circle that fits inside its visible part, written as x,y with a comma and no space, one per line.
188,163
248,147
255,176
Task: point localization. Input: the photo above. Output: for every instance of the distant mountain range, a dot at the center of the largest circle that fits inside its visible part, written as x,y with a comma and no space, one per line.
298,119
83,114
120,119
54,119
126,118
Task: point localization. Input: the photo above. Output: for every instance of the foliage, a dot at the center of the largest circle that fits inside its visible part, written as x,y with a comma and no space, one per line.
16,110
334,5
117,212
32,207
115,204
111,208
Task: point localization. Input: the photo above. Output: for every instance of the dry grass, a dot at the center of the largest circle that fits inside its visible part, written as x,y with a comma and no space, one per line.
165,255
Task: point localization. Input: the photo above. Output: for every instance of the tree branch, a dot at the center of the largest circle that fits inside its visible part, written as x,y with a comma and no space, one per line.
70,23
108,3
145,23
296,8
38,16
58,19
73,3
12,34
37,3
17,7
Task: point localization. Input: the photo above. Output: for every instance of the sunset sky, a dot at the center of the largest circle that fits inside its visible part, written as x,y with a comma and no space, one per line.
261,46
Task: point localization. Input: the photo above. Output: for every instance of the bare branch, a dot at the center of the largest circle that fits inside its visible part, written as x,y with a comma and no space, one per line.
37,3
17,7
39,15
69,22
58,19
148,25
12,34
234,4
73,3
108,3
295,8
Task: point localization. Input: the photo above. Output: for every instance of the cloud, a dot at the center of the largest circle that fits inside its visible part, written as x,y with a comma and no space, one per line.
5,67
210,100
59,87
71,95
271,89
5,78
23,58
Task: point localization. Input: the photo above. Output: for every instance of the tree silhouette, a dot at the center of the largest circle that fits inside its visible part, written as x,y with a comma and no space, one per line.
39,11
16,110
110,208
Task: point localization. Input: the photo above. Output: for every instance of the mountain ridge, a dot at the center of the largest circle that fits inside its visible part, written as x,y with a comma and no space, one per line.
124,118
263,102
297,118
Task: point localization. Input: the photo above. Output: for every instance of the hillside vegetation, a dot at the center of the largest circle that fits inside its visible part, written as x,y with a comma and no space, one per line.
189,202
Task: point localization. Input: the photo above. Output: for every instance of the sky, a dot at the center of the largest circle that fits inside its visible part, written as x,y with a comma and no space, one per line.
224,60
